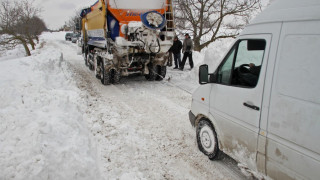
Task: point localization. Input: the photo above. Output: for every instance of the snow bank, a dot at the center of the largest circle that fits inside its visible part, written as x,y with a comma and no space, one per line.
212,55
42,132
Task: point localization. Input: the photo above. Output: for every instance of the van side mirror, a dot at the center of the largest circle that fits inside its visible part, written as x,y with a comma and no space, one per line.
203,74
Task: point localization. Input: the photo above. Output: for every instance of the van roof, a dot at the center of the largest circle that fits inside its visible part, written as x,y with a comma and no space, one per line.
289,10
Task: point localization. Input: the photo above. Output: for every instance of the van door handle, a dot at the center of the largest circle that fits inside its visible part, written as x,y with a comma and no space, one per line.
251,106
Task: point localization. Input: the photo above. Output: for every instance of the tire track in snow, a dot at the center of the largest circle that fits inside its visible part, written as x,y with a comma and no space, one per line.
143,127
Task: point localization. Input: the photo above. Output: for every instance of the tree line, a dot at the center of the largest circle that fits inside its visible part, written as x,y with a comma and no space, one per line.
20,24
209,20
205,20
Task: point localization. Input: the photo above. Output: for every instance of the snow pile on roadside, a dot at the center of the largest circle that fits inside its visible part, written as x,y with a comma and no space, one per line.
42,132
6,51
212,55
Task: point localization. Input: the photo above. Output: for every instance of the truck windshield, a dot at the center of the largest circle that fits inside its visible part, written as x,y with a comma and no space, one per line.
137,4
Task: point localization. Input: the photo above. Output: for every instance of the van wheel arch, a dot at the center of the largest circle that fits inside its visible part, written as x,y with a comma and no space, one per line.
207,139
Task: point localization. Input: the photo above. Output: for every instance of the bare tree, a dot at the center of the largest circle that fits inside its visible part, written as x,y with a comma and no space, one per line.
31,28
9,18
27,16
37,26
74,22
19,24
209,20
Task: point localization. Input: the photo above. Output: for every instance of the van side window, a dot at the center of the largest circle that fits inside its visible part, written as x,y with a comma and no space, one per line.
242,65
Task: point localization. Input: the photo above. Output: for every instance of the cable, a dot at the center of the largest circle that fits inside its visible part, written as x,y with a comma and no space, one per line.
158,46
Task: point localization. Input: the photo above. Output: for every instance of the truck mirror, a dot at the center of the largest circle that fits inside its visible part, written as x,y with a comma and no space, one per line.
203,74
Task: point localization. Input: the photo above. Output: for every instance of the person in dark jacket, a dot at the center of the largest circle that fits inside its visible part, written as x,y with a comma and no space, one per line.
176,50
187,52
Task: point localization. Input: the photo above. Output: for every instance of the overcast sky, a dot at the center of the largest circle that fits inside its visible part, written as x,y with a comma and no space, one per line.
56,12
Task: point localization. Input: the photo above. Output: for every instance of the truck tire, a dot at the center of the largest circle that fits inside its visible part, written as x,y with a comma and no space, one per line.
152,72
85,56
207,139
98,76
105,76
98,69
162,71
91,67
115,76
90,60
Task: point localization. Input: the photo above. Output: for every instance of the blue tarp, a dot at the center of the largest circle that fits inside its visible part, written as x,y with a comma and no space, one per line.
113,27
85,11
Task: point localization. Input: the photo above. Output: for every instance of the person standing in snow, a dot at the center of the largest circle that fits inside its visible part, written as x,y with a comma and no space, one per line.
187,52
176,50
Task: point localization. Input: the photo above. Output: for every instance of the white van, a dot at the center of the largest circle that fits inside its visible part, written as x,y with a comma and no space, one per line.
261,105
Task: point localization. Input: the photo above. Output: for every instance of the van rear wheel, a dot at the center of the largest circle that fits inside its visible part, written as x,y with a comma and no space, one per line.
207,139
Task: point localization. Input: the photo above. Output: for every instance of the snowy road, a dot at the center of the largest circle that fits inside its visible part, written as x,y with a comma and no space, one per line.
141,129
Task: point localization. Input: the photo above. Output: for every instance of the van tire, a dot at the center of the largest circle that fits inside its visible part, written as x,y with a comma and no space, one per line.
207,139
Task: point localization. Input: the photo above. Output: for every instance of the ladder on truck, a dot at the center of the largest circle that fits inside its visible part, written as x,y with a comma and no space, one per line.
170,25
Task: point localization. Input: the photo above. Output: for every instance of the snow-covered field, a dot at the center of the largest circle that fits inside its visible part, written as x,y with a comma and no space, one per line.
59,122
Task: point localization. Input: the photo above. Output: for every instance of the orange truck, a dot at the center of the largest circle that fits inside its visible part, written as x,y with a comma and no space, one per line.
123,37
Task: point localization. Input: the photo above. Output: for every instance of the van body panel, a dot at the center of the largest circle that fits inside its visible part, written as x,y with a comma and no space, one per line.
294,115
200,101
238,124
289,10
274,29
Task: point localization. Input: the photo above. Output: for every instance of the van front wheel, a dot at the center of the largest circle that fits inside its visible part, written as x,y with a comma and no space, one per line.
207,139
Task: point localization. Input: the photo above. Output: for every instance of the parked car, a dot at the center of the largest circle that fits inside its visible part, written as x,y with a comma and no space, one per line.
268,120
68,36
74,38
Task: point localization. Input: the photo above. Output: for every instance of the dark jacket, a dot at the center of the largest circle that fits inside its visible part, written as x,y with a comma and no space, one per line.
187,45
176,47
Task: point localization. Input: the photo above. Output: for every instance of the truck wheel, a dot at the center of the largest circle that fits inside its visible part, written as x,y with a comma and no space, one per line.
207,139
90,59
115,76
98,69
152,72
91,67
105,76
162,71
85,55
